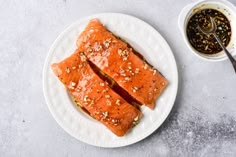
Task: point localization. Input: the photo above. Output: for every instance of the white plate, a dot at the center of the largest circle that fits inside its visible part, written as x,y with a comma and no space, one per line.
145,40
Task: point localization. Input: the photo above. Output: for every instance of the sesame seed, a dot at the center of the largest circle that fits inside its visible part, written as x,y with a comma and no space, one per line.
127,78
137,70
107,96
115,121
83,58
73,84
124,54
136,119
125,58
134,89
117,102
145,66
163,83
85,98
155,89
102,84
154,72
105,90
107,42
67,70
120,52
73,67
80,65
72,87
105,114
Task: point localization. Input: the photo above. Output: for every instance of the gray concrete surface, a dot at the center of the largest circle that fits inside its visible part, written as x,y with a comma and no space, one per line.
202,122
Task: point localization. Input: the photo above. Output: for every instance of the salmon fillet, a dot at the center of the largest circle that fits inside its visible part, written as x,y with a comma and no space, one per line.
94,95
120,62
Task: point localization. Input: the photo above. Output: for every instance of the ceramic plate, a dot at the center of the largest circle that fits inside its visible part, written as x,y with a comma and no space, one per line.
146,40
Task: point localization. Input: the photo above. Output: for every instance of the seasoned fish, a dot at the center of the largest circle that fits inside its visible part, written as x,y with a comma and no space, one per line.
121,63
94,95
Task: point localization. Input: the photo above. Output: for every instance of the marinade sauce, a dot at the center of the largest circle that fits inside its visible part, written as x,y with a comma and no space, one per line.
207,44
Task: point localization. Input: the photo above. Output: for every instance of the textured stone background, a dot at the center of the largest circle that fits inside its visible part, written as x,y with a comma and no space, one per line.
202,122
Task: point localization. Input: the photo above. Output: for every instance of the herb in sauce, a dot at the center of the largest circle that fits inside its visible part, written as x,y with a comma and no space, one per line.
207,43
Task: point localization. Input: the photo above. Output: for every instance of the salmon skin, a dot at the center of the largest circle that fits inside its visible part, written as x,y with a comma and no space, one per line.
118,60
94,95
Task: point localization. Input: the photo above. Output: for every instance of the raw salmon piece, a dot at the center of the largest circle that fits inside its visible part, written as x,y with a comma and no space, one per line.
119,61
94,95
